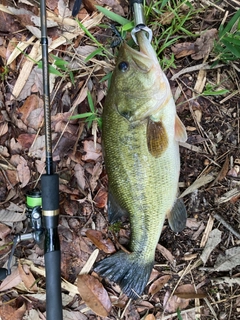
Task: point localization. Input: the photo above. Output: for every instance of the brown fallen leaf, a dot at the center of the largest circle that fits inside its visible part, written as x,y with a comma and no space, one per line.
10,312
144,306
150,317
26,140
198,49
204,44
4,230
166,18
31,103
184,49
171,304
166,253
187,291
3,128
92,153
100,198
11,281
97,170
27,277
223,172
98,239
94,295
23,170
79,175
159,284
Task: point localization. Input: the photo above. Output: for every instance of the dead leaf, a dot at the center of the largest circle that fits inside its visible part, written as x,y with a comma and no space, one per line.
23,170
181,297
166,18
100,198
150,317
9,312
72,315
3,128
229,261
26,140
171,304
31,112
214,239
113,4
4,231
198,49
97,170
11,281
27,277
184,49
166,253
94,295
144,306
199,182
159,284
99,240
223,172
79,175
92,153
204,44
34,80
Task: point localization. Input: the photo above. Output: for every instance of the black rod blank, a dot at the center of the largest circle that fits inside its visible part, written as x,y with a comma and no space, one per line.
50,195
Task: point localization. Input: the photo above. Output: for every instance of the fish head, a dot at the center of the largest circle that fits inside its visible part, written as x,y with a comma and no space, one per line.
140,87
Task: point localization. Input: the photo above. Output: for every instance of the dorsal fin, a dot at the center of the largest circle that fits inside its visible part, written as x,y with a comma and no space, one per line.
157,139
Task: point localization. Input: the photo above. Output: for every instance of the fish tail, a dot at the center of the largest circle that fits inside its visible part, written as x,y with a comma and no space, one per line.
128,270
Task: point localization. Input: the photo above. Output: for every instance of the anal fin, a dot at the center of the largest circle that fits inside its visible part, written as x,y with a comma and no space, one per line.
115,212
177,217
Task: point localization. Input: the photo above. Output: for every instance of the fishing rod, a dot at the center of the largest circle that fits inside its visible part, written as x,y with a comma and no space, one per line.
43,207
50,195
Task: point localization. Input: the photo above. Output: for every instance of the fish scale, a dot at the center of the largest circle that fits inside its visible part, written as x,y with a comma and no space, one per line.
142,182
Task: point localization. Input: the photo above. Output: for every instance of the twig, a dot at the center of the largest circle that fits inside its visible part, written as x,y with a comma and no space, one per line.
200,66
227,225
170,316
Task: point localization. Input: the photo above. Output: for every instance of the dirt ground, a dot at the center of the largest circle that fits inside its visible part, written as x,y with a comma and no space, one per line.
197,272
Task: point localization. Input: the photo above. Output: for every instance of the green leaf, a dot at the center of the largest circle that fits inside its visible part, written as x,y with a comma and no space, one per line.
99,121
113,16
234,50
223,31
214,93
128,26
89,34
232,40
71,77
51,69
179,314
106,77
98,51
163,3
82,115
90,102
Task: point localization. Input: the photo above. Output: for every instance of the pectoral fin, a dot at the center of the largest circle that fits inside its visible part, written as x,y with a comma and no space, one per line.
180,130
115,212
177,217
157,139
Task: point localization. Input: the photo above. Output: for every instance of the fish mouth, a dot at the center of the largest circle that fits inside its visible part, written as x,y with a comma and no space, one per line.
140,58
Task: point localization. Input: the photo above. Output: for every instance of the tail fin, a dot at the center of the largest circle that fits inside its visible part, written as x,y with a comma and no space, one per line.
127,270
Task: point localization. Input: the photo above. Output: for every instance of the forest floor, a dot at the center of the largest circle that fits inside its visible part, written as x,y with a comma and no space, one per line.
197,272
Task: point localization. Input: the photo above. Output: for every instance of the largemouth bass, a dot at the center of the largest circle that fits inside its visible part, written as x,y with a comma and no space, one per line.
141,134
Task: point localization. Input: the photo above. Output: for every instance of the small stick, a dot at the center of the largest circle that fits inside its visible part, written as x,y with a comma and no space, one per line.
227,225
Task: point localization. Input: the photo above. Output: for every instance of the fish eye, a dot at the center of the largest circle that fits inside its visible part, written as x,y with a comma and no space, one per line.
123,66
